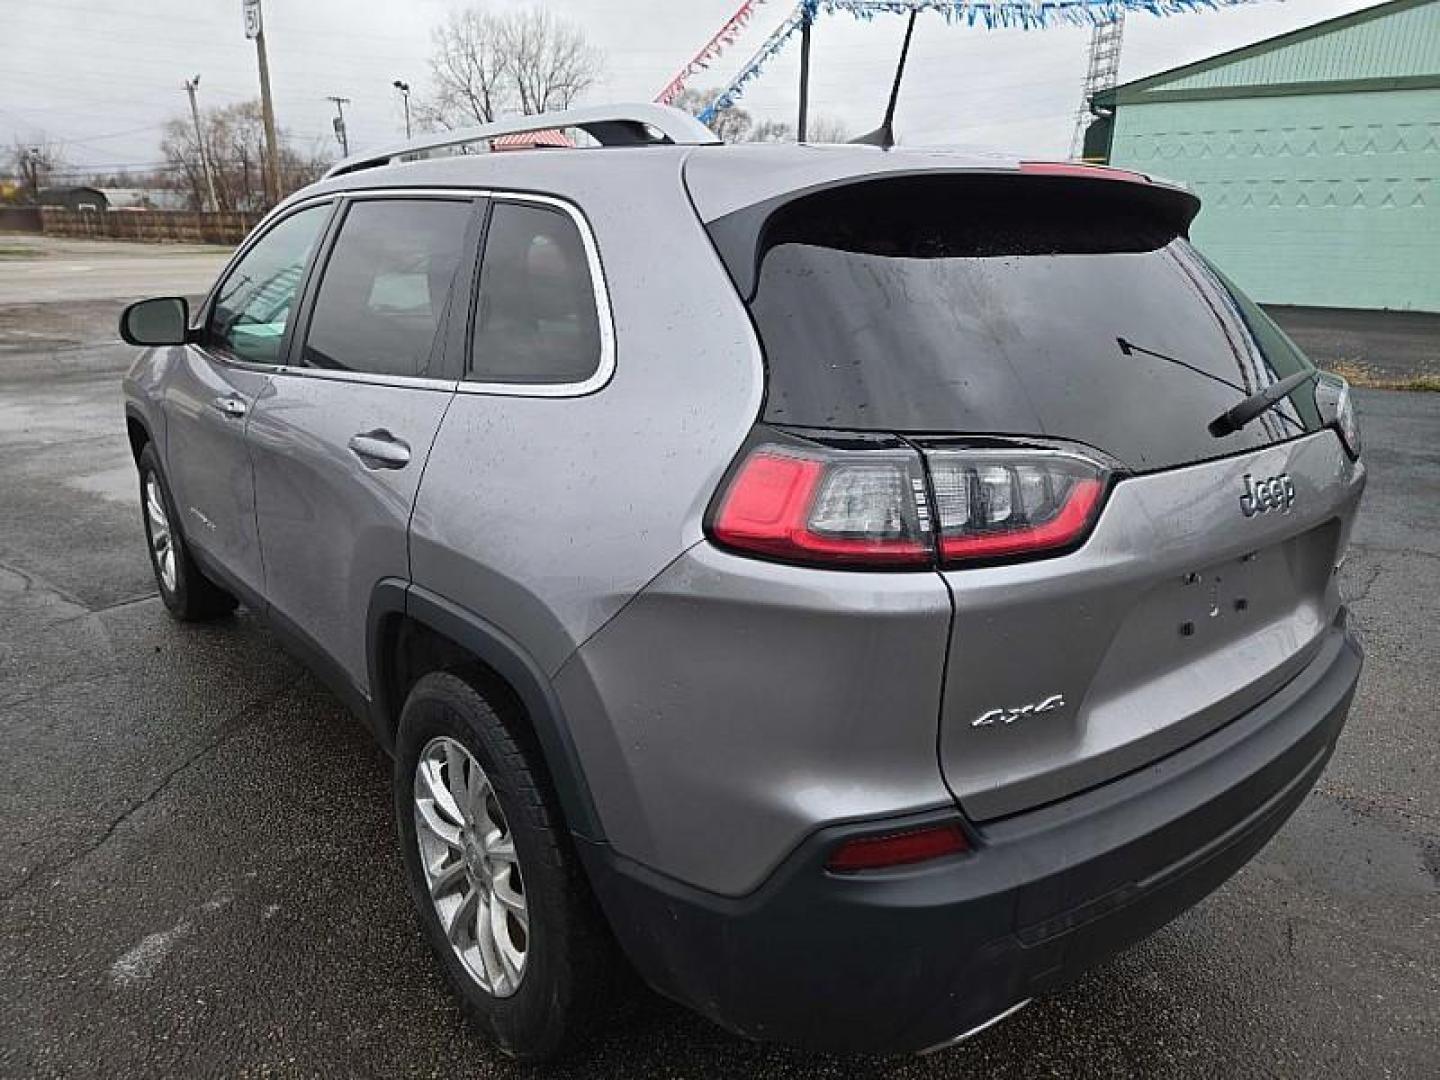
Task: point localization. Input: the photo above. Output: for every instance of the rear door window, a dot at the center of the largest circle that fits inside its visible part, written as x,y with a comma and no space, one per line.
386,287
536,319
254,303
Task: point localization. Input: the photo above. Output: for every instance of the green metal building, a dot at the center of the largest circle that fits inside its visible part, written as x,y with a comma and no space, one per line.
1316,154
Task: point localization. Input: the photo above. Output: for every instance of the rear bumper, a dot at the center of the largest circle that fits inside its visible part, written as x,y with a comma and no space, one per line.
905,960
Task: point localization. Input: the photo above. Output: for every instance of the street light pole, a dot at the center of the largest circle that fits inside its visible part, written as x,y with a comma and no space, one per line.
404,89
339,122
191,85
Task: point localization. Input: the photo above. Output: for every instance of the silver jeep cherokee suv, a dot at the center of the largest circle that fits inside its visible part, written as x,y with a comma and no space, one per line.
862,588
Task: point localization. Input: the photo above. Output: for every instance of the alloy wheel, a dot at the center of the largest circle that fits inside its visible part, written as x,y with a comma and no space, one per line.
471,867
162,540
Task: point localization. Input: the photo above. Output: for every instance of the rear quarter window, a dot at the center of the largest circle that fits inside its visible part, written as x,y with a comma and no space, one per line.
536,315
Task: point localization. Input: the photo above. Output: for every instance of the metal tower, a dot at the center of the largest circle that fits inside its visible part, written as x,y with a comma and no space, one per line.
1102,73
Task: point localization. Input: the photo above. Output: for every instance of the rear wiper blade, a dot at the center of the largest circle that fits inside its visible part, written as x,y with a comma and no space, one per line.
1129,348
1237,416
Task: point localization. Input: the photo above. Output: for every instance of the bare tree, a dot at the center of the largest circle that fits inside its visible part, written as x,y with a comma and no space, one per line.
550,61
734,124
469,68
771,131
731,125
486,65
35,161
826,129
235,144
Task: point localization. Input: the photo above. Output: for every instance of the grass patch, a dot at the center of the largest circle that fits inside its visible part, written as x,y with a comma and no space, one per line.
15,251
1357,374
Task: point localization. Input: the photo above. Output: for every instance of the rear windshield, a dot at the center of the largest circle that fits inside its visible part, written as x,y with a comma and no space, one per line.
1008,305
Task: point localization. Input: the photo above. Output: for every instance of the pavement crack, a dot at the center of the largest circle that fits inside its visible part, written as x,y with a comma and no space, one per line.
66,680
35,583
1363,593
1361,802
1377,549
128,602
227,729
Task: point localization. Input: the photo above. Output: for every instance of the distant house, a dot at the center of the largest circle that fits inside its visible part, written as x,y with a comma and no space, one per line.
73,198
83,197
1314,154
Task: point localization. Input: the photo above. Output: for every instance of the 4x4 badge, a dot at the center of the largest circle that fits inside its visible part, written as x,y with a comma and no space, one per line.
1271,493
1009,716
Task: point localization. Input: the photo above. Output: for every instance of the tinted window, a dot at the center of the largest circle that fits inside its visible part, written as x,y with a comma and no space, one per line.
1000,307
253,305
386,286
536,320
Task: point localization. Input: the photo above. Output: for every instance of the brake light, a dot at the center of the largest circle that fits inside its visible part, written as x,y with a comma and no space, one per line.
865,508
898,848
1077,168
996,504
881,502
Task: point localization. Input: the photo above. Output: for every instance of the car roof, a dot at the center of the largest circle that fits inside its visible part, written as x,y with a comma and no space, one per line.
721,178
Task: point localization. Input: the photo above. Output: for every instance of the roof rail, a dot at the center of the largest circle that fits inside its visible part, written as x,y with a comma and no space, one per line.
641,124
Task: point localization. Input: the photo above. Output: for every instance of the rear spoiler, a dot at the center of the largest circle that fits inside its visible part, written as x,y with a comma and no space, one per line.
1036,208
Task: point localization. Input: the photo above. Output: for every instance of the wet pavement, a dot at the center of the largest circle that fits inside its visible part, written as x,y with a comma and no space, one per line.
199,872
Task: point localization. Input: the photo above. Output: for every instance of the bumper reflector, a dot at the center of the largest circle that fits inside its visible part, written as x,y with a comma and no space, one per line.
898,848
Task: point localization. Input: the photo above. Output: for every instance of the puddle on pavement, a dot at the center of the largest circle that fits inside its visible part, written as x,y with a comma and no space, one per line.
118,484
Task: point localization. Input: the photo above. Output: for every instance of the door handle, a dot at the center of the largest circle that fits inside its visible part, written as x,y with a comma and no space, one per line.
380,450
232,407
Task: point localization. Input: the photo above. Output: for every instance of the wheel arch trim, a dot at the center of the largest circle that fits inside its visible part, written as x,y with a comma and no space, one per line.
505,656
135,415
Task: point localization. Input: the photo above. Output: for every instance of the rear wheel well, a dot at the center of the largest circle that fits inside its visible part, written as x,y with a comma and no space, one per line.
138,436
410,650
414,632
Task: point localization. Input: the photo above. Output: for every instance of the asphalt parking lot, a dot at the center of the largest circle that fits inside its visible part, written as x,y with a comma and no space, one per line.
198,866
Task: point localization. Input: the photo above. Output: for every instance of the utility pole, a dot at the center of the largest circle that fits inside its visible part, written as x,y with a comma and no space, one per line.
404,88
807,17
255,28
339,122
31,160
191,85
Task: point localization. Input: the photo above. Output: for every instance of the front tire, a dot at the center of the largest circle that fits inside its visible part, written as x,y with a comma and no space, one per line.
187,593
501,898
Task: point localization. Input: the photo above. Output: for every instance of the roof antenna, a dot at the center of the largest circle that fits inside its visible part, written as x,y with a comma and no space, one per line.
884,135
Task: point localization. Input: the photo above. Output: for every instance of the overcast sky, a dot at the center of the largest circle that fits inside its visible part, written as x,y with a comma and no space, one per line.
101,78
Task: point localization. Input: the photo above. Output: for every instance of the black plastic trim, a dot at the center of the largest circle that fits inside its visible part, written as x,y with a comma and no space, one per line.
502,653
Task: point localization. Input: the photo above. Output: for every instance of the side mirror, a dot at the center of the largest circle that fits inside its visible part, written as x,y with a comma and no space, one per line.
162,321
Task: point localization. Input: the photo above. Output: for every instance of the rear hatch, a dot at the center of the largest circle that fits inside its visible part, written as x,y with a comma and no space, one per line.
981,310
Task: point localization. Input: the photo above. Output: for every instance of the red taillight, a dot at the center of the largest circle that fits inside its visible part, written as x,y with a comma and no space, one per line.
824,504
995,504
898,848
845,509
1079,168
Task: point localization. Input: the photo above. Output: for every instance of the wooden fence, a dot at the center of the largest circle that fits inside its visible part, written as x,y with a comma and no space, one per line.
153,226
19,219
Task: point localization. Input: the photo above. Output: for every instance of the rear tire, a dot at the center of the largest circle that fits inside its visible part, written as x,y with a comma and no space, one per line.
455,753
188,594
